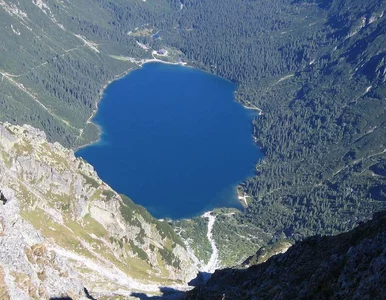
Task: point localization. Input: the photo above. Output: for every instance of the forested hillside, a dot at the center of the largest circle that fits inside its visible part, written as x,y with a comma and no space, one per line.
350,265
58,55
315,68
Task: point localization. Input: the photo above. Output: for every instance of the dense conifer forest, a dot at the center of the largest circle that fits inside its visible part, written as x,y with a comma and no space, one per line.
316,69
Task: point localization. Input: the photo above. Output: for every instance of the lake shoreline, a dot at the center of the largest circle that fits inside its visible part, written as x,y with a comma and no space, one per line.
108,139
103,89
140,63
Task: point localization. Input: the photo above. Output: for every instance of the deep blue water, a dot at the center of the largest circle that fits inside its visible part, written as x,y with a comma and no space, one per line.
174,140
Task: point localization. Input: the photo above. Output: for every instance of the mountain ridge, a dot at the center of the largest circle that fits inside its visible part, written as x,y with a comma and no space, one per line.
56,207
351,265
315,68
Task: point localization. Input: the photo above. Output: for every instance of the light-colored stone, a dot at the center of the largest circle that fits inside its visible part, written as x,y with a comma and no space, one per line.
62,228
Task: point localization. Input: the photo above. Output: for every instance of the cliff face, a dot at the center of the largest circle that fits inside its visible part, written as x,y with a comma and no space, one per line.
351,265
63,229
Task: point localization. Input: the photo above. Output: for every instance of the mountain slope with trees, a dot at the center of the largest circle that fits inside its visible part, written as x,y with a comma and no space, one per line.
315,68
62,229
351,265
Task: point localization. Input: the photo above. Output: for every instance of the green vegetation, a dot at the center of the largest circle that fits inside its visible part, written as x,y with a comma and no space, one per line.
129,209
194,232
169,258
236,240
316,68
324,131
90,181
23,149
316,71
56,62
267,252
108,194
137,250
133,213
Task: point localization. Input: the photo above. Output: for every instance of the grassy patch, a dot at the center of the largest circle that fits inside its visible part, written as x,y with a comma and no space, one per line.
96,195
142,32
141,254
3,288
169,258
93,226
27,198
90,181
164,229
108,194
23,149
194,231
61,234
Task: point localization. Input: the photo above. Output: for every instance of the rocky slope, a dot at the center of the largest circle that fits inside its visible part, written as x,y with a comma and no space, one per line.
63,229
351,265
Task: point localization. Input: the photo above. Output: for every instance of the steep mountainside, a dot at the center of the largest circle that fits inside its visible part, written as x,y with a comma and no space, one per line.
63,229
324,132
315,68
57,56
351,265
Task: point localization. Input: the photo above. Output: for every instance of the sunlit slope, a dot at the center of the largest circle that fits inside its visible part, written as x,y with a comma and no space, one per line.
58,55
108,241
